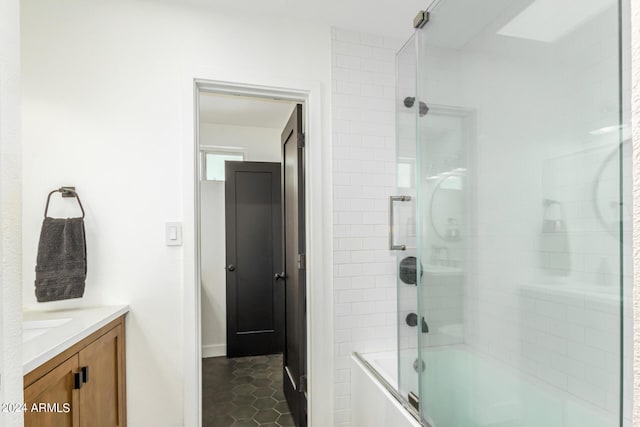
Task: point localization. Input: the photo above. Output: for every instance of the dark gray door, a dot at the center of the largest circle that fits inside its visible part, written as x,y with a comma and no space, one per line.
295,352
255,298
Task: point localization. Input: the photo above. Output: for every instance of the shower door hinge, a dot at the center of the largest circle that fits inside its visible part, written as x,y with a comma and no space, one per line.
414,401
301,140
421,19
301,261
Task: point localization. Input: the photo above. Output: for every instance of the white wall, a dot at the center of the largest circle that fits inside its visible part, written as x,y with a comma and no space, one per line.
363,178
213,297
104,110
10,212
258,145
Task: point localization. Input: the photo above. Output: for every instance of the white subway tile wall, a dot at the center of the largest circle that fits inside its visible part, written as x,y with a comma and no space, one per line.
364,176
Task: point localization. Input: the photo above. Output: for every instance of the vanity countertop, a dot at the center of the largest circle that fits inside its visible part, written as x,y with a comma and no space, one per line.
47,333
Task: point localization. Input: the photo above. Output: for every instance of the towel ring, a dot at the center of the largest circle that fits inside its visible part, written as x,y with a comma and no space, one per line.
64,191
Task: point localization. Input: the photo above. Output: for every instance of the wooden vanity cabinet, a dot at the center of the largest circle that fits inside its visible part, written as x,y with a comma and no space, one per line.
89,377
55,387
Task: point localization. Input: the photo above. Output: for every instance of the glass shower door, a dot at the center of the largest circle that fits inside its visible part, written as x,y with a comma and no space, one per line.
522,222
402,209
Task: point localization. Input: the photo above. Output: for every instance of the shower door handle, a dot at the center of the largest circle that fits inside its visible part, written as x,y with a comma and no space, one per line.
392,244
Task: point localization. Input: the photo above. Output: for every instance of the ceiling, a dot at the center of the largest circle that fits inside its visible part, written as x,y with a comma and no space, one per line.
384,17
244,111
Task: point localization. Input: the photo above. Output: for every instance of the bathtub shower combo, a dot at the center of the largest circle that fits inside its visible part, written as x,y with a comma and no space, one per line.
512,221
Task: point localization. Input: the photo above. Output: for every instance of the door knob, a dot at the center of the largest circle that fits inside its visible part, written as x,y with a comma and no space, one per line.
279,276
231,267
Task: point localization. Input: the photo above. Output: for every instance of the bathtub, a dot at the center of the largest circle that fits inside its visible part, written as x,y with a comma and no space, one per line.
374,399
473,391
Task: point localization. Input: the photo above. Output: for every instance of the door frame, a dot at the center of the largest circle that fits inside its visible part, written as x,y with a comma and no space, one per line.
318,228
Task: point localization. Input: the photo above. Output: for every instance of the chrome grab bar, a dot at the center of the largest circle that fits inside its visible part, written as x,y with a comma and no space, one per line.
392,245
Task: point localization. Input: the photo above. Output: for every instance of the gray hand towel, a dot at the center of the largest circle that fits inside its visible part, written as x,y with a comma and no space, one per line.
61,267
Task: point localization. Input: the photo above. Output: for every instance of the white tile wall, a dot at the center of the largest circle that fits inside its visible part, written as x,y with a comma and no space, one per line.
364,176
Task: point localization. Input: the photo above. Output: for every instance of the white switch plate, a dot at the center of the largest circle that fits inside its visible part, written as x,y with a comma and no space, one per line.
173,233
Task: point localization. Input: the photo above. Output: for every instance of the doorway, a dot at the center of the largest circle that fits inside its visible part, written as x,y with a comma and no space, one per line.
319,271
242,269
239,129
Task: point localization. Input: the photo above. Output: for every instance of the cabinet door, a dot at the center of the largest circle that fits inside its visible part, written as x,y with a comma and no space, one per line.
102,394
55,389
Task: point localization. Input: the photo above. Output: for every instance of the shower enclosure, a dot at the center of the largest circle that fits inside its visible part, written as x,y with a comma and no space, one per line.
511,222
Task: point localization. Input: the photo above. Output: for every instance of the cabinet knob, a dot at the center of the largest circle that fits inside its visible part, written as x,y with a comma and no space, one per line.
279,276
231,267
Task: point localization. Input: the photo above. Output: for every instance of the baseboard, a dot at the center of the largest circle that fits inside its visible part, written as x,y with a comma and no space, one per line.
214,350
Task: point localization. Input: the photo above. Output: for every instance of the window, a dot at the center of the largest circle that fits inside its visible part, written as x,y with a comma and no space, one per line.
405,172
213,163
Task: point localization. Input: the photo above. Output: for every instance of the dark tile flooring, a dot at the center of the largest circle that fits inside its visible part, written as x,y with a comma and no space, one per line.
243,392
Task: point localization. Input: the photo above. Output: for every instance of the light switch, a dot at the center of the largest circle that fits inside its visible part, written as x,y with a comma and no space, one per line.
173,233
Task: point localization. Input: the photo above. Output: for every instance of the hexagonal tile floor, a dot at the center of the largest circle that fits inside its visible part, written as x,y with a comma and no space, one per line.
244,391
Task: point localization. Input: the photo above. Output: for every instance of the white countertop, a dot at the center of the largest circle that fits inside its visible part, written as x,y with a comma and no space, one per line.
81,323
